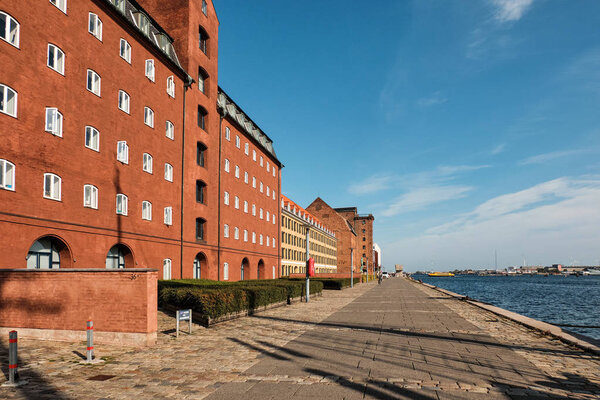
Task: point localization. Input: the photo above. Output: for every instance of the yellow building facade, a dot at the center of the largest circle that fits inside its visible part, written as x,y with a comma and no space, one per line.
322,241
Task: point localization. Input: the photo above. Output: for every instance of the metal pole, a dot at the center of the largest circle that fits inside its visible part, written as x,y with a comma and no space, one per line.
307,258
351,268
90,341
13,373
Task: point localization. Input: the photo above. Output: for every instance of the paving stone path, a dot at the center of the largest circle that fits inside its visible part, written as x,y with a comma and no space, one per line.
397,340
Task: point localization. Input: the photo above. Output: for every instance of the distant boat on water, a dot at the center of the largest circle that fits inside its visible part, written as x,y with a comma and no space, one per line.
438,274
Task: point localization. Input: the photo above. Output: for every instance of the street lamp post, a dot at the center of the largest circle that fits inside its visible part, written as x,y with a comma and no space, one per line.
351,268
307,259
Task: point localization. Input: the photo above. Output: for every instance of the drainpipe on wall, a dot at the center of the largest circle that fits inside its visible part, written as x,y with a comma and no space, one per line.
221,113
186,86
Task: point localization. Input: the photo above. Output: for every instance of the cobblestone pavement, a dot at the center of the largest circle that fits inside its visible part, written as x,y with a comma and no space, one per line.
397,340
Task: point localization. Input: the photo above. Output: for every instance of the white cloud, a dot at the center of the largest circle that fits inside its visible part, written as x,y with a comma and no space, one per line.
543,158
498,149
551,222
423,197
510,10
370,185
435,99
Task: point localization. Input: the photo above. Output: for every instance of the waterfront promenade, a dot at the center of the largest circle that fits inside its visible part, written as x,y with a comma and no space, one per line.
397,340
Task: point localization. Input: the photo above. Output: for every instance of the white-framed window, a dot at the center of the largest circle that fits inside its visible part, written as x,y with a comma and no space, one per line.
227,133
147,163
268,167
237,171
254,182
92,138
268,191
254,210
245,235
260,239
90,196
7,175
93,82
123,152
123,101
52,185
149,117
245,206
237,141
143,23
253,155
273,194
268,216
261,161
95,26
225,271
226,230
170,130
236,233
146,210
9,29
253,237
167,269
246,177
261,187
168,172
54,121
60,4
125,50
55,59
236,202
273,218
273,243
204,7
268,240
226,165
260,213
226,198
171,86
121,204
246,148
8,101
273,172
168,216
150,70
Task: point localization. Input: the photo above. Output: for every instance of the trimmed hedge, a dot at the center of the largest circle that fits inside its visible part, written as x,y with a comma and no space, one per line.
214,299
331,283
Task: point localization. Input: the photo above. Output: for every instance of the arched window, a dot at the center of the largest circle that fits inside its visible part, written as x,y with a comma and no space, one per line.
171,86
200,228
54,121
168,172
90,196
46,252
123,101
8,101
226,165
170,130
7,175
95,26
56,58
202,40
225,271
60,4
123,152
52,188
119,256
146,210
226,198
93,82
147,163
226,230
167,269
149,117
236,233
202,118
125,50
92,138
202,80
122,204
200,192
200,154
9,29
150,72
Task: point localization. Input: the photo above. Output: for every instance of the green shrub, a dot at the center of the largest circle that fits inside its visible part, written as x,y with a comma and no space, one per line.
328,283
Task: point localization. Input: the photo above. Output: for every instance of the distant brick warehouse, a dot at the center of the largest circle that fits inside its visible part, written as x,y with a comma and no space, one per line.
107,143
322,241
363,226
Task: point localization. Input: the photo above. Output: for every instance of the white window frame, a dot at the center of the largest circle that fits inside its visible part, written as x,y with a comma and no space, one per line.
122,152
149,117
254,210
246,148
237,141
54,121
150,70
226,198
236,233
60,4
273,215
273,171
125,50
245,235
268,240
260,239
171,86
268,218
95,26
268,191
273,243
254,237
254,182
260,187
225,230
170,130
226,165
5,89
273,193
262,162
245,206
253,155
168,216
95,83
124,200
260,213
93,135
227,134
246,177
7,175
123,101
58,56
268,167
225,271
146,210
11,22
55,187
90,196
147,163
237,171
168,172
167,263
236,202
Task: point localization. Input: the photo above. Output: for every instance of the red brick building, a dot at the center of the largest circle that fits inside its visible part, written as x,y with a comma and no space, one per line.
111,155
363,226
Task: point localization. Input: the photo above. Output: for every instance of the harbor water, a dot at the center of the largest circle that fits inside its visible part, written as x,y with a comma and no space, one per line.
573,300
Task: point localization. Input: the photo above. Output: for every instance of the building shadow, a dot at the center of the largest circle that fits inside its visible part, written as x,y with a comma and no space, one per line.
260,350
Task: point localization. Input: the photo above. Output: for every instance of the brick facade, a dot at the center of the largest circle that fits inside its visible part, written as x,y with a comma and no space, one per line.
363,226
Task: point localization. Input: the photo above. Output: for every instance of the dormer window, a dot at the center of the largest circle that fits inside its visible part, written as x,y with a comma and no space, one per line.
143,23
120,4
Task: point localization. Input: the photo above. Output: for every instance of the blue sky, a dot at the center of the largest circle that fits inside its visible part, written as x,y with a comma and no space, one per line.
465,127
